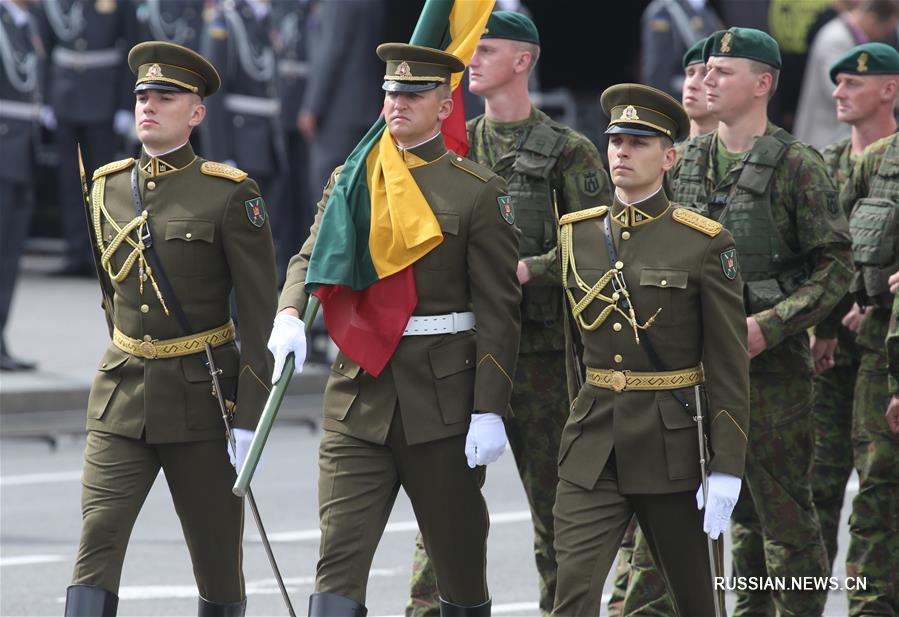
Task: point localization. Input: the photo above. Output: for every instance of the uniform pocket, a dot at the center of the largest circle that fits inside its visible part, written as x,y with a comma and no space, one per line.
681,438
202,410
191,241
579,410
342,387
106,382
453,365
449,252
661,287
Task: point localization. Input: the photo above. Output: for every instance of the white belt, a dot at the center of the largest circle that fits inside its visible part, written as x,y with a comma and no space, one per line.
19,110
293,68
451,323
253,105
80,60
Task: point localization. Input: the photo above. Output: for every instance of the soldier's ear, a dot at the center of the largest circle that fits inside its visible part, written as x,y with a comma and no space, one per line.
446,108
198,113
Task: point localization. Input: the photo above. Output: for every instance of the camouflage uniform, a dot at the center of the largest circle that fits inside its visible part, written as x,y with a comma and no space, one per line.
833,391
775,528
523,153
874,524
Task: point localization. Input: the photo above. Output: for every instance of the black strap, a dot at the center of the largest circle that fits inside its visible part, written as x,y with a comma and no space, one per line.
645,340
150,253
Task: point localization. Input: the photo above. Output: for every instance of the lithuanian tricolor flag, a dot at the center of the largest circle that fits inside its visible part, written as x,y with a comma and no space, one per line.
377,222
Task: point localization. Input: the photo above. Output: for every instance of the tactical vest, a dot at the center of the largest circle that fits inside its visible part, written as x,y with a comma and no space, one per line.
527,173
771,270
874,225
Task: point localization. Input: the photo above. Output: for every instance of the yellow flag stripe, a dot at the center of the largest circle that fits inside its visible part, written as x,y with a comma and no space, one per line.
468,19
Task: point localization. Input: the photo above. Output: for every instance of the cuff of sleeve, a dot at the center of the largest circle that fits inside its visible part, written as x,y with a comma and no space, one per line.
293,297
772,327
893,384
825,330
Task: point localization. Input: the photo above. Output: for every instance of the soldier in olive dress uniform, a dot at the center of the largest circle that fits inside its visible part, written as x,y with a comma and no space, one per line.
655,294
442,395
152,405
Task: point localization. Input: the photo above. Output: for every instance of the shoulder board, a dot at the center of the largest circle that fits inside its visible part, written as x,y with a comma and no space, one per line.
697,221
580,215
221,170
113,167
481,173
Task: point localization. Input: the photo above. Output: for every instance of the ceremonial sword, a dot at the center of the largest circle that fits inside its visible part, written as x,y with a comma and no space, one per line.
214,372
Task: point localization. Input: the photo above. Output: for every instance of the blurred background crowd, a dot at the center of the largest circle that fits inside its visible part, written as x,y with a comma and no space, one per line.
301,86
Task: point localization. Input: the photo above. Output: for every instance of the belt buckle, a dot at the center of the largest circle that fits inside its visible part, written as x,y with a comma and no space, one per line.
148,350
618,381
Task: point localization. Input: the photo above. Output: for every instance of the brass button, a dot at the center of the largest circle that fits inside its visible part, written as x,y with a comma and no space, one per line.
340,365
618,358
148,338
664,283
188,235
467,362
619,265
151,185
625,235
144,308
458,158
616,327
615,296
105,364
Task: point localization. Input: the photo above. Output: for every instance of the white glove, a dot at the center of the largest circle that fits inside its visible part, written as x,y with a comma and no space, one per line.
288,335
48,118
123,122
242,438
486,439
724,490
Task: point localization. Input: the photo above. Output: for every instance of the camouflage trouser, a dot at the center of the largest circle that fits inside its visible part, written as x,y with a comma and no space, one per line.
834,391
647,593
540,404
775,528
874,523
622,570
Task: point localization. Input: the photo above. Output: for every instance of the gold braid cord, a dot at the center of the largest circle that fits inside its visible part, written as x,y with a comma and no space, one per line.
594,292
123,236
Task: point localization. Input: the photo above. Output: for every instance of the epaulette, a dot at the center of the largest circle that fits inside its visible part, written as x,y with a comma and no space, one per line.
478,171
580,215
113,167
697,221
221,170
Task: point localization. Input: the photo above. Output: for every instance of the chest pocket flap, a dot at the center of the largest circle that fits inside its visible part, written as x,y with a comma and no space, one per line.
449,222
664,278
190,230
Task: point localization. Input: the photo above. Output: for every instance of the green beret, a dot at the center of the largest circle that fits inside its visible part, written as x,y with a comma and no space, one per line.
412,68
636,109
511,25
743,43
694,54
167,66
867,59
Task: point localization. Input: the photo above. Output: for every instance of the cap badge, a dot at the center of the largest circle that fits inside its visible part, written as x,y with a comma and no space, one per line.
403,69
862,62
724,48
629,113
154,72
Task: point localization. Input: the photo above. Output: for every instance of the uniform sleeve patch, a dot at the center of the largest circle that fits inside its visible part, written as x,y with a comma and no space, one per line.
255,211
590,183
505,208
729,263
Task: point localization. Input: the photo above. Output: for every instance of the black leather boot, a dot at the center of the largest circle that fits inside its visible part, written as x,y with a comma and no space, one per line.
214,609
448,609
90,601
328,604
